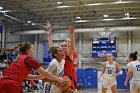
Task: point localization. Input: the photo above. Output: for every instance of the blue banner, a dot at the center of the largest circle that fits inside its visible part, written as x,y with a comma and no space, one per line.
46,53
1,29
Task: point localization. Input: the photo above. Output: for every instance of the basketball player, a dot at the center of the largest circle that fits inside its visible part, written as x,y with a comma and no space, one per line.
56,67
19,70
67,40
109,74
134,72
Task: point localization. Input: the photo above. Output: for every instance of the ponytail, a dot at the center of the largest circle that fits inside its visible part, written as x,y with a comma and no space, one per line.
136,53
133,55
11,49
22,47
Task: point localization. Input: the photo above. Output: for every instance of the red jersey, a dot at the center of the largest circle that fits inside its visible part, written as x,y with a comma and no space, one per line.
68,71
75,54
75,57
20,68
74,71
68,67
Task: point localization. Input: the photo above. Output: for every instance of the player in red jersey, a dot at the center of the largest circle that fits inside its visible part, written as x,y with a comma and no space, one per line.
19,70
67,40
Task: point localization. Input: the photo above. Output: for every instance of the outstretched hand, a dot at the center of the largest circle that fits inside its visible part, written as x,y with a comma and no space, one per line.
71,29
48,27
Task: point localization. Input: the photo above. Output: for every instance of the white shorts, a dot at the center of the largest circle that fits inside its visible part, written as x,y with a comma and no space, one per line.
134,86
108,81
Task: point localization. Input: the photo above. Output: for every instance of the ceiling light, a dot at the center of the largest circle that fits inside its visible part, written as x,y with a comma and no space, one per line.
94,4
108,19
80,21
33,23
59,2
1,8
29,22
127,14
63,6
78,17
128,18
105,16
119,2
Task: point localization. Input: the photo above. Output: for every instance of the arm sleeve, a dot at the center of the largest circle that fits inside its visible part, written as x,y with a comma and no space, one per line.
32,63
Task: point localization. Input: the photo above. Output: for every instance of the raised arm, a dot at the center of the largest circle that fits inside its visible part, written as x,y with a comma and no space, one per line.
72,43
49,31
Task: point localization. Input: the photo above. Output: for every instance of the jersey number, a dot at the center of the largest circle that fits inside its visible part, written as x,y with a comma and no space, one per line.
138,67
109,71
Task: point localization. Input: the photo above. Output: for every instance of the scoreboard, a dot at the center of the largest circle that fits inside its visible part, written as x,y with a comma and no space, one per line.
102,46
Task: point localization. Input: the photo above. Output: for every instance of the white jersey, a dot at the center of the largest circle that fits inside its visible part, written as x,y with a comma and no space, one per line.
110,69
56,68
135,65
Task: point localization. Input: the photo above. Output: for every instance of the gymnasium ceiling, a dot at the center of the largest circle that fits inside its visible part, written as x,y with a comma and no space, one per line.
25,14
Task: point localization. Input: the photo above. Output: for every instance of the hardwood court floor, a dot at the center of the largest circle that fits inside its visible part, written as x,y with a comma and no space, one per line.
94,91
99,91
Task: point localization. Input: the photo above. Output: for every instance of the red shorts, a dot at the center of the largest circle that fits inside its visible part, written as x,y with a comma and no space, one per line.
9,86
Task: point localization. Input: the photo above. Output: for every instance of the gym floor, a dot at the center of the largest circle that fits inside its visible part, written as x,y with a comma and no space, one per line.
96,91
99,91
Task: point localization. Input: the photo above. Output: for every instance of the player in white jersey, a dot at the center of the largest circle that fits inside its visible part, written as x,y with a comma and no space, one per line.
109,74
56,67
134,72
